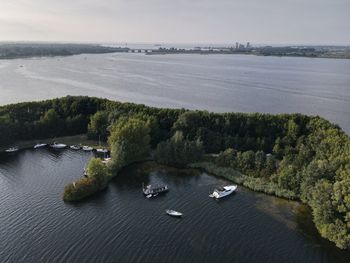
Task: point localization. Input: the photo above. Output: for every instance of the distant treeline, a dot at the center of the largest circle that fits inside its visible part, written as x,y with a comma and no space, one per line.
287,51
290,155
21,50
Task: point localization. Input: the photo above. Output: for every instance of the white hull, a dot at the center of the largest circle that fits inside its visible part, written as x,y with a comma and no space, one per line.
75,147
87,148
227,190
40,145
58,146
12,150
173,213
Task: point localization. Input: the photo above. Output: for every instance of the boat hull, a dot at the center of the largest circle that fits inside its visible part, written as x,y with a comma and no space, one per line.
228,190
173,213
40,145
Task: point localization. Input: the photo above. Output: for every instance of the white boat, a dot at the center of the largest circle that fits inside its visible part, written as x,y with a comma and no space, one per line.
173,213
12,149
87,148
102,150
58,146
154,190
75,147
225,191
39,145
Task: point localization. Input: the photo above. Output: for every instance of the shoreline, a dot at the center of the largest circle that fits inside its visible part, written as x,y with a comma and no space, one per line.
68,140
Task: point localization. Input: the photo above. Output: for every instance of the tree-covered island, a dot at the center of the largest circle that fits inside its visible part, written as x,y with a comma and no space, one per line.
289,155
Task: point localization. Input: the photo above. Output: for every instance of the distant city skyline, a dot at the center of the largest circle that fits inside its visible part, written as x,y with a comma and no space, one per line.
288,22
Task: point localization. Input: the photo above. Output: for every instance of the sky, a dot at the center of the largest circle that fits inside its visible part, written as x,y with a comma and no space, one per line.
177,21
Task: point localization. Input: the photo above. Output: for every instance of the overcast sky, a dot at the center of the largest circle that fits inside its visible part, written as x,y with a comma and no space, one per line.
177,21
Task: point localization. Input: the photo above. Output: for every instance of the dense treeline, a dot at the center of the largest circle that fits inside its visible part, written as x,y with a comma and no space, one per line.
289,155
71,116
178,151
23,50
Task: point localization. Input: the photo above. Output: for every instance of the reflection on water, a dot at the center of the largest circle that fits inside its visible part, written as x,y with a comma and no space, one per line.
121,225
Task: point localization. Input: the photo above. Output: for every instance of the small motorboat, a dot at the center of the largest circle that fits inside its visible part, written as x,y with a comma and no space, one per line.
102,150
12,149
87,148
58,145
173,213
39,145
75,147
225,191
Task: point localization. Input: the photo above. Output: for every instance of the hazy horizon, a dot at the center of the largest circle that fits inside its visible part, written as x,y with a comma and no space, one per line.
289,22
189,44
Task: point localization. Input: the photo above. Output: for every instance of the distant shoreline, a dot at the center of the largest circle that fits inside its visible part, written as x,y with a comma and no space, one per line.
32,50
271,52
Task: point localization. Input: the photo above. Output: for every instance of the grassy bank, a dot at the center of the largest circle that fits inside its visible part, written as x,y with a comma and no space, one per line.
256,184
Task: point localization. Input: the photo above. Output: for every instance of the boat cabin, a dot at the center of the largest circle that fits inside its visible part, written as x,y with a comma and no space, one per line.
155,189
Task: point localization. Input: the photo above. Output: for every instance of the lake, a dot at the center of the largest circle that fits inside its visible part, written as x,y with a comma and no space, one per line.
121,225
220,83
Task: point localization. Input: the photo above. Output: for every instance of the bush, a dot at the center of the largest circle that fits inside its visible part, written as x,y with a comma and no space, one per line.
97,179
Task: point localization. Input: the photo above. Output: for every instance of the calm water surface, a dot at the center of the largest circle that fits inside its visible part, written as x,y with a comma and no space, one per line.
219,83
121,225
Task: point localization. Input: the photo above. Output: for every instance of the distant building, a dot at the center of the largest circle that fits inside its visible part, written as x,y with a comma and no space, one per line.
248,45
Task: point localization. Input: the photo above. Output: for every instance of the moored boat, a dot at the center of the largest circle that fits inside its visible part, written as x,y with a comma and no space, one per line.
87,148
154,189
12,149
39,145
173,213
75,147
102,150
225,191
58,145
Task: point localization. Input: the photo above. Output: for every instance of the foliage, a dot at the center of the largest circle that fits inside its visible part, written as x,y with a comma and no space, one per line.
81,189
129,141
256,184
178,152
97,179
97,128
98,171
289,155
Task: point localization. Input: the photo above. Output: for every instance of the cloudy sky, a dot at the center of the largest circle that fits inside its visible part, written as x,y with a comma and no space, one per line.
177,21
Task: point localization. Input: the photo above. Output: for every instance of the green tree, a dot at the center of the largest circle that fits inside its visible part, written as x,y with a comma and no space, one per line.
98,171
227,157
97,128
129,142
179,152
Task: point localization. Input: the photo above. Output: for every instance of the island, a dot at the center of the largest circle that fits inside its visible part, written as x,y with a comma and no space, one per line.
292,156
